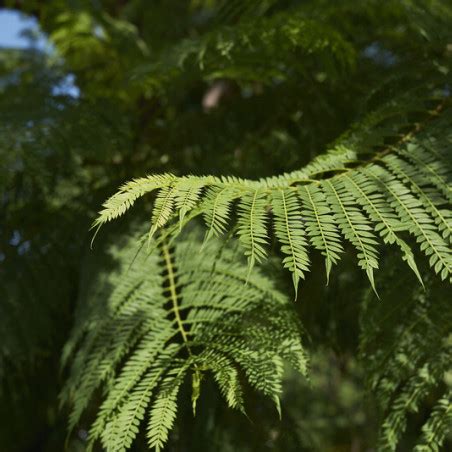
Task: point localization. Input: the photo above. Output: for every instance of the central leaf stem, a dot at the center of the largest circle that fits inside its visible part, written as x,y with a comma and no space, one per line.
173,294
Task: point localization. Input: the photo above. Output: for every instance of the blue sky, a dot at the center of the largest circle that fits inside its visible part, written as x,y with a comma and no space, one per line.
12,23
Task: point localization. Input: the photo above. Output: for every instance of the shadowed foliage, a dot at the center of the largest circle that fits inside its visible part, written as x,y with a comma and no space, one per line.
268,183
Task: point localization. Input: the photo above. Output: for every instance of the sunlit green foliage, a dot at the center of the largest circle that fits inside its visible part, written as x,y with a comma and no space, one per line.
176,313
289,164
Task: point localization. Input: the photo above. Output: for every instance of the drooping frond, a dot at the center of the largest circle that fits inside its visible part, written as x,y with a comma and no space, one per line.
217,209
290,233
128,194
254,89
407,352
417,221
383,196
431,200
252,230
320,224
355,227
435,430
188,192
175,312
386,221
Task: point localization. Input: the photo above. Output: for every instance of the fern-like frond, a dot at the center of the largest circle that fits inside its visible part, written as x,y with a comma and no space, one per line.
163,207
320,224
126,196
355,227
416,220
164,408
420,184
289,230
188,193
252,230
175,312
407,353
434,431
228,379
367,198
217,209
387,223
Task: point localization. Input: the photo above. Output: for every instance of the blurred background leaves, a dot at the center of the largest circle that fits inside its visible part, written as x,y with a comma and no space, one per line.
108,90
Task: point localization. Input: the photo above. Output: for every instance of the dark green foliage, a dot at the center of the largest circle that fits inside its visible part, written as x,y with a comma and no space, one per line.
385,193
159,318
250,137
407,350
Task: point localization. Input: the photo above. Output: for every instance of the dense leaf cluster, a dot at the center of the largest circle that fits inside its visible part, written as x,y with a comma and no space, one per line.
250,137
